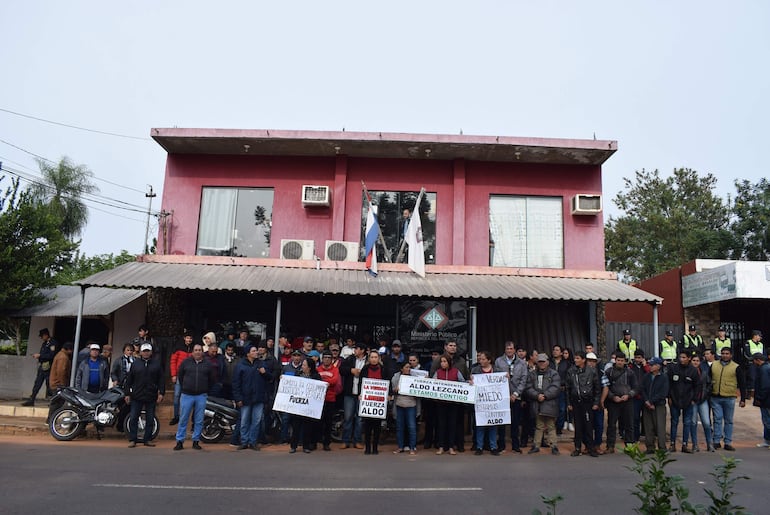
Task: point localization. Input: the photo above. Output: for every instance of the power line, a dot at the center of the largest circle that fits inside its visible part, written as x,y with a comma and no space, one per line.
74,126
84,198
53,162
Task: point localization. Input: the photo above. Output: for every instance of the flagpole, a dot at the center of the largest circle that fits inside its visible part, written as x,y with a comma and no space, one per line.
403,243
381,239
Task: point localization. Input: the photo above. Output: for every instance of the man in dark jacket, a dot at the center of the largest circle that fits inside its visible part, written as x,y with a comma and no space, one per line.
48,350
618,398
251,380
584,393
195,375
762,394
145,387
542,392
93,374
350,371
681,392
654,393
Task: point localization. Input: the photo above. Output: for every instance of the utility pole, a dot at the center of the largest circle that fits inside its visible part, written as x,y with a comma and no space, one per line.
151,195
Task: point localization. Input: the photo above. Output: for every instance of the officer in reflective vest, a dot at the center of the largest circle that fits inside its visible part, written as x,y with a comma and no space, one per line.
721,341
692,343
667,348
627,346
750,348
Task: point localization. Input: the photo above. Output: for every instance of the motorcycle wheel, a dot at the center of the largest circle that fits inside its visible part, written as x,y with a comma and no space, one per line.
61,426
338,423
140,429
212,432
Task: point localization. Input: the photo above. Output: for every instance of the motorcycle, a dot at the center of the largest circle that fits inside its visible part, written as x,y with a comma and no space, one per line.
221,416
72,409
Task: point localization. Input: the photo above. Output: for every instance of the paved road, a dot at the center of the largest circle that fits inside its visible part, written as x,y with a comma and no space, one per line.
39,475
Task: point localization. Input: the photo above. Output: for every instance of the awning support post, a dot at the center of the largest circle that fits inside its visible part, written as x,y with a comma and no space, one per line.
277,334
78,327
655,334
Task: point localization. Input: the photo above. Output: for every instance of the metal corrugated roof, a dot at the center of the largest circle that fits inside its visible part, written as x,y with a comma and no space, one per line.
63,302
193,276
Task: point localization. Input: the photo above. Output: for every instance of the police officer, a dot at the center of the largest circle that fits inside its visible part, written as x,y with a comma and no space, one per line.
745,360
692,342
667,348
721,341
48,350
627,345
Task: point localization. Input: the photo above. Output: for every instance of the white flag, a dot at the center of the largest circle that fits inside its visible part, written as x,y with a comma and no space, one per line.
414,240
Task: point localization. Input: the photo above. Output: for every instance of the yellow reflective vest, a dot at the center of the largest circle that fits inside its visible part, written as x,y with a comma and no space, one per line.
668,350
629,349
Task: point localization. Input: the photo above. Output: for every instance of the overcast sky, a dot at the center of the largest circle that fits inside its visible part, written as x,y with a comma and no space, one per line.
677,84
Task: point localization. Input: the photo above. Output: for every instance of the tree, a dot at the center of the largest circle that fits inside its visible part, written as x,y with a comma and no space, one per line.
82,266
666,222
62,190
33,250
751,220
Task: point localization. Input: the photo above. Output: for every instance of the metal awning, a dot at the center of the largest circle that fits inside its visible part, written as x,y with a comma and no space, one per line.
63,302
338,281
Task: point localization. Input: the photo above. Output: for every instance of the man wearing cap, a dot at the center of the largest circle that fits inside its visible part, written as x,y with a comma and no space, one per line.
584,391
145,388
618,397
683,380
727,379
350,371
593,435
61,367
762,394
93,374
307,345
654,394
292,368
395,357
627,345
667,348
48,350
692,342
751,347
542,391
721,341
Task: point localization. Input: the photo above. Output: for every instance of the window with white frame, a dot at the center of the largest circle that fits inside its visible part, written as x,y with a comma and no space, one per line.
235,222
526,231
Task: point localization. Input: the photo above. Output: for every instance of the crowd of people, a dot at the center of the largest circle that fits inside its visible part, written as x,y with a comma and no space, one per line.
631,396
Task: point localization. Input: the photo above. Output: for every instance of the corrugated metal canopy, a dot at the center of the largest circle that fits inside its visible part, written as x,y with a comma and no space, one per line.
63,301
194,276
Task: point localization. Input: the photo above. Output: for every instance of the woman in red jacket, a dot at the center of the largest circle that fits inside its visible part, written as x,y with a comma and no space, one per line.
331,375
446,411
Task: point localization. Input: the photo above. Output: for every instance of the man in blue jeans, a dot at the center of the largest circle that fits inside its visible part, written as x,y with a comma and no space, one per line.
727,380
350,369
252,377
195,375
762,394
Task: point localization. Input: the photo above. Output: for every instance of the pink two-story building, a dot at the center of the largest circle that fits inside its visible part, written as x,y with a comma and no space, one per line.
265,229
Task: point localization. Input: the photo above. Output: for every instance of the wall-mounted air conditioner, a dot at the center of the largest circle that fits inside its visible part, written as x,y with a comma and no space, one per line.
583,204
313,195
341,250
297,249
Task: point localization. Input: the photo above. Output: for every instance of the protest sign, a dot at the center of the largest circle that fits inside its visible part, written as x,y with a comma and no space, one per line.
493,405
436,389
374,398
300,396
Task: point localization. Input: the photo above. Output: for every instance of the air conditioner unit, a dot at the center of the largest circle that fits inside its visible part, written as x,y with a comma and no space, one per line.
297,249
313,195
583,204
341,250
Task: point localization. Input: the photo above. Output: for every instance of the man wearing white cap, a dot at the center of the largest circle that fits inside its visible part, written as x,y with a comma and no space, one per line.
93,374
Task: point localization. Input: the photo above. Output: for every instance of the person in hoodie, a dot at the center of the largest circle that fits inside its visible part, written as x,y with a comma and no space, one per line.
181,353
654,393
683,381
251,381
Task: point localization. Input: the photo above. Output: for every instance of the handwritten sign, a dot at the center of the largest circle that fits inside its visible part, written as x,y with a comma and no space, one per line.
493,407
300,396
